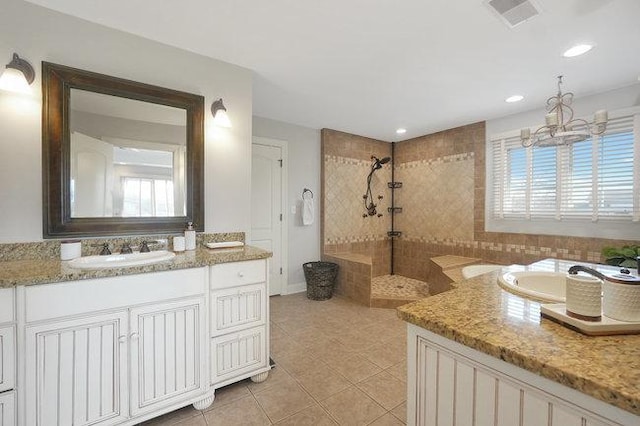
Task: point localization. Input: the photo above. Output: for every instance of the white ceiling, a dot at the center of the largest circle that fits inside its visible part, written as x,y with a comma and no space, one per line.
370,66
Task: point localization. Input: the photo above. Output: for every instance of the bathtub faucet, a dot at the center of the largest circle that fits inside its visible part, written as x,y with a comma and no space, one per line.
577,268
623,277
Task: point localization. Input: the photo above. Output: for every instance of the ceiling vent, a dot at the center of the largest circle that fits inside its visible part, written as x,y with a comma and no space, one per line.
513,12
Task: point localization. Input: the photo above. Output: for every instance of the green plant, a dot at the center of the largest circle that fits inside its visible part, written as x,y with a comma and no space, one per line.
625,256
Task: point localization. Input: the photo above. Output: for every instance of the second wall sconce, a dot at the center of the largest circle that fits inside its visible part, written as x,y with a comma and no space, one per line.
17,76
220,117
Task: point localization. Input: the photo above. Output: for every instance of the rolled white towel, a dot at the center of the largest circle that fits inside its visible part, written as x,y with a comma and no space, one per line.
307,211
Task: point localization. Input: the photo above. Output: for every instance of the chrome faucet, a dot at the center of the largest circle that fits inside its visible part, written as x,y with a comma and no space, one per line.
624,277
126,249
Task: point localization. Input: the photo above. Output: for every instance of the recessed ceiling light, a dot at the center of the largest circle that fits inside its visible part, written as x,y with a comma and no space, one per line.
401,131
577,50
514,98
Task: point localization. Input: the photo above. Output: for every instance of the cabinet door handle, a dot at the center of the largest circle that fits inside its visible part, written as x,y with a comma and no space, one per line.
134,336
241,274
122,339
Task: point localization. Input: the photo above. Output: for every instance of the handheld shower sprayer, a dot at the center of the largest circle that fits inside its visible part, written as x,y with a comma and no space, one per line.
369,206
377,162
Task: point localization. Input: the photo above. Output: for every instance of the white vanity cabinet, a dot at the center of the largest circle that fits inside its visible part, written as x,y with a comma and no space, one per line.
451,384
76,370
115,350
239,322
166,352
7,357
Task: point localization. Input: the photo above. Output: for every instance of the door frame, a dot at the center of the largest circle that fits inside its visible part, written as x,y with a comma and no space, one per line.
284,202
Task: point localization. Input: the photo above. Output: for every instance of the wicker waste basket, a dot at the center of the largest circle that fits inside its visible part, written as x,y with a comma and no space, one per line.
321,278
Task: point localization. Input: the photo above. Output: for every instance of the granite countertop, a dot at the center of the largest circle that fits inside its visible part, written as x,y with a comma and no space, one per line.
479,314
38,271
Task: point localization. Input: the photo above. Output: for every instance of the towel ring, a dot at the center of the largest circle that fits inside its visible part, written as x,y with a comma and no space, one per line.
305,191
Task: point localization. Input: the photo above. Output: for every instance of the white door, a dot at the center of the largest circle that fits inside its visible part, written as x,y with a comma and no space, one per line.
167,353
91,177
76,371
267,212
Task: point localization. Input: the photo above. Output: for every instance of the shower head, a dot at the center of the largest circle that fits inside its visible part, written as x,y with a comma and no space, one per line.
377,162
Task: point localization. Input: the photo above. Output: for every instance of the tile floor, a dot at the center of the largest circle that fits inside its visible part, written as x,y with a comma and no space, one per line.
336,363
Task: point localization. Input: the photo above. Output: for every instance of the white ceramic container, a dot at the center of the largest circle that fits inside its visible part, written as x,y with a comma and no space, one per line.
584,297
178,244
621,301
70,249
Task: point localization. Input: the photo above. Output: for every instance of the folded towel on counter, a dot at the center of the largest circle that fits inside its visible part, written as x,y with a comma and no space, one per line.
307,211
225,244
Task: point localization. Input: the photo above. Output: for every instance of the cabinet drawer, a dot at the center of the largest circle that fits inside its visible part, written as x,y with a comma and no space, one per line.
7,358
7,409
87,296
6,305
238,273
238,354
237,308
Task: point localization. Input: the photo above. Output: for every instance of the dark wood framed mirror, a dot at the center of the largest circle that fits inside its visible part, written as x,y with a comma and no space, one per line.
119,157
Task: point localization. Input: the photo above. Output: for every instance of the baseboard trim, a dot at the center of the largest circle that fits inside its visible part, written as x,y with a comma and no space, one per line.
296,288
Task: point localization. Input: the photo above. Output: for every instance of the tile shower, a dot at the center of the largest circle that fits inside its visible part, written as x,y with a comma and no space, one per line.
443,210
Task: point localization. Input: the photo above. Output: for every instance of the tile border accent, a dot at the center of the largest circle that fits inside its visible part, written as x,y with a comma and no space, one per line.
437,160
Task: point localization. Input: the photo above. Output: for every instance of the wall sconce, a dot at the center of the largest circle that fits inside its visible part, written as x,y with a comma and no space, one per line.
220,117
17,76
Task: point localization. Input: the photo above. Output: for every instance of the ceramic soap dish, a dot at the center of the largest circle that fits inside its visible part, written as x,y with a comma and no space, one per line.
606,326
225,245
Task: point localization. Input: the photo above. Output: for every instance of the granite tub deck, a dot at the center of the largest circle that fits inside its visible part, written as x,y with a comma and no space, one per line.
479,314
39,271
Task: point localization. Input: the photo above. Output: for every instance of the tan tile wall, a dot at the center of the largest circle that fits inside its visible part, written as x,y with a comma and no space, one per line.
354,278
434,205
345,184
414,248
378,251
345,166
443,198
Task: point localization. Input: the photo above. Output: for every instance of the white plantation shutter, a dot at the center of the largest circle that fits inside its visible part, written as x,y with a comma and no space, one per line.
597,179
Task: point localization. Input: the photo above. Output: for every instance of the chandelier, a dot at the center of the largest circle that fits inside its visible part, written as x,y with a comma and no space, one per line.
561,128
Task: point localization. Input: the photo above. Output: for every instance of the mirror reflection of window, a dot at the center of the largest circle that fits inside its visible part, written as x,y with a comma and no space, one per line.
147,197
128,157
146,187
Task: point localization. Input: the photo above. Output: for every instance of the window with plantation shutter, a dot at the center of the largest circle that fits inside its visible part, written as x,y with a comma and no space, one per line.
589,188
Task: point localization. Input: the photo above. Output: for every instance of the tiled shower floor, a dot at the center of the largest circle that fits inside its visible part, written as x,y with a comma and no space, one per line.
397,286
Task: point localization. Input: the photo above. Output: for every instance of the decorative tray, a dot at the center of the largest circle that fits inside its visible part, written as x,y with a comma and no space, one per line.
606,326
225,244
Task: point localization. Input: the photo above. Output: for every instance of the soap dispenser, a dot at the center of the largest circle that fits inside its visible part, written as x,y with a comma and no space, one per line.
190,237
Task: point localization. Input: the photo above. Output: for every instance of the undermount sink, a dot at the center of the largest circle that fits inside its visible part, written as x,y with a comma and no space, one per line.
537,285
121,260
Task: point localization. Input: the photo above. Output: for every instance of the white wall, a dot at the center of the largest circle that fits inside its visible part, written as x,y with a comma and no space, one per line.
38,34
303,145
